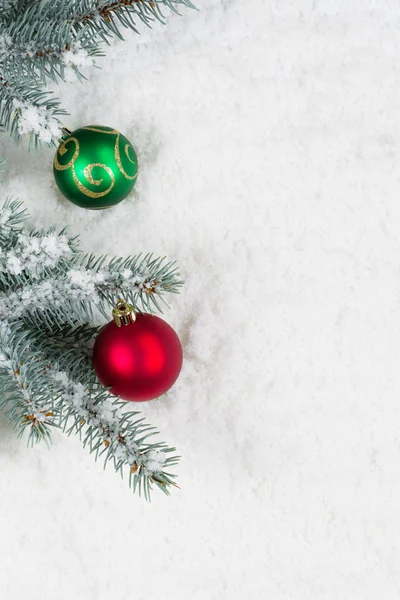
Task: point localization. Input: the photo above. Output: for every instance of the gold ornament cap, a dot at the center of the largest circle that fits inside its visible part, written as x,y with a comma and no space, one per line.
123,313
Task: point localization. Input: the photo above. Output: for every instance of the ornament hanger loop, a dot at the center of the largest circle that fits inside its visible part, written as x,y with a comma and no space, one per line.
123,313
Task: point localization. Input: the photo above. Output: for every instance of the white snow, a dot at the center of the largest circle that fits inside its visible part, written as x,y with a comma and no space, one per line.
83,283
156,460
34,254
38,120
268,143
76,57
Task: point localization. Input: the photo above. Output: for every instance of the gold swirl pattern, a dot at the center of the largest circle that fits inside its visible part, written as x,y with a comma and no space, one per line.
88,169
62,150
117,154
100,129
118,159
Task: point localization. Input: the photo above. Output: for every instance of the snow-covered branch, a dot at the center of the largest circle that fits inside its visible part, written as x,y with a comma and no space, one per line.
26,394
117,436
48,296
57,40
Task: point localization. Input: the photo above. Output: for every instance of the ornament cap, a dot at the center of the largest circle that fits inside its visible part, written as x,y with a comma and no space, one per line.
65,133
123,313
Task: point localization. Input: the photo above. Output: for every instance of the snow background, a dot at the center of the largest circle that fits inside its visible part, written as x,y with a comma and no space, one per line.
267,135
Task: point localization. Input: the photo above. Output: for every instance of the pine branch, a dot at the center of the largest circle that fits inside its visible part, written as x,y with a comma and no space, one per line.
12,218
49,294
27,109
46,40
46,269
86,408
9,9
26,393
118,437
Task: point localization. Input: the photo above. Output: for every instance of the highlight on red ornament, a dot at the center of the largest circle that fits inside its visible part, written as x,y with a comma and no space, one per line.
139,356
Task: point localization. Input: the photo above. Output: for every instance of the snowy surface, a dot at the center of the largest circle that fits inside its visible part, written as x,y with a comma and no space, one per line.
268,139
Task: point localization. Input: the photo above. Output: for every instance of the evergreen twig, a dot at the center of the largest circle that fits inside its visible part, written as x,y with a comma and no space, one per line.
42,41
49,296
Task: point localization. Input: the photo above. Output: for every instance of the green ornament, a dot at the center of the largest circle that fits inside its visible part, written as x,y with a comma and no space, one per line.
95,167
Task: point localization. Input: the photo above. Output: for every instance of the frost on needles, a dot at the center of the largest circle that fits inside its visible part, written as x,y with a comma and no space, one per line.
55,40
50,294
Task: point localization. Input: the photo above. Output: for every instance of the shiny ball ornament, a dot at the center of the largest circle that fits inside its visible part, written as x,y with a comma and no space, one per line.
95,167
138,356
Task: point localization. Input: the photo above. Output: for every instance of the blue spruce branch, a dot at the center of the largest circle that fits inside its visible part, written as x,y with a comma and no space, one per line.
50,295
40,41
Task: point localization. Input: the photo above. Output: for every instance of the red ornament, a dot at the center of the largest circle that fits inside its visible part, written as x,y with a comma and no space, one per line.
138,356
